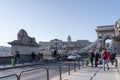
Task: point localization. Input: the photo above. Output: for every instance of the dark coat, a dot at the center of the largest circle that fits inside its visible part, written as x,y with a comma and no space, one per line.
97,56
92,56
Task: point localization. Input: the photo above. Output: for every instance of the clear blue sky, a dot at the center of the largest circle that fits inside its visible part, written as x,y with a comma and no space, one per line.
49,19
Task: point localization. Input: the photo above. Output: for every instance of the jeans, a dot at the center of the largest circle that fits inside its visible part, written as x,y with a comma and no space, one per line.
91,61
33,60
17,60
112,61
105,63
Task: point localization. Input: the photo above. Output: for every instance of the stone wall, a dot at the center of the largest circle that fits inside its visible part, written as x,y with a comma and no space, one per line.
24,49
24,58
118,62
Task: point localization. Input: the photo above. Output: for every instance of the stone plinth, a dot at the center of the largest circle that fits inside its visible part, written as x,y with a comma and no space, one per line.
24,44
118,62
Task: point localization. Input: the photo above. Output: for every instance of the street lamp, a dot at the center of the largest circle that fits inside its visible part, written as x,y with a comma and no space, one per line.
100,43
56,44
79,47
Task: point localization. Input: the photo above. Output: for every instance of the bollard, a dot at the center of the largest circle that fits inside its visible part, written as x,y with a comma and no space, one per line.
68,69
74,67
60,72
47,70
18,77
79,64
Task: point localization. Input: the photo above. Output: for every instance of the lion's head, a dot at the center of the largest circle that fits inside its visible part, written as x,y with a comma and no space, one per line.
22,34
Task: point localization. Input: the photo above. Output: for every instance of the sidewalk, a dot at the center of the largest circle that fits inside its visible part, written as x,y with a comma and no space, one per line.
89,73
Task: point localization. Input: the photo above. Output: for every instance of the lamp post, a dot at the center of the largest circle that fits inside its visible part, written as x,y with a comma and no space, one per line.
100,43
79,47
56,44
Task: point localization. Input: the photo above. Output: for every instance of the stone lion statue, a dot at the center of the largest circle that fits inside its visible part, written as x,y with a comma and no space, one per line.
22,34
23,37
117,27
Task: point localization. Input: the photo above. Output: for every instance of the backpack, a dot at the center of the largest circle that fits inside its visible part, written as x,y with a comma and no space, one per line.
104,56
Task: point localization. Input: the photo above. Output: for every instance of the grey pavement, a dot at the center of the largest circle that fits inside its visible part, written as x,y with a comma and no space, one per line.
89,73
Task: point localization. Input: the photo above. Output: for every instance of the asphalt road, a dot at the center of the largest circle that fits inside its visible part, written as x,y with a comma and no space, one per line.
39,71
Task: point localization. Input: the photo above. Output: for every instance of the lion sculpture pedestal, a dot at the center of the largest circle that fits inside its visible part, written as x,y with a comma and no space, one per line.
25,45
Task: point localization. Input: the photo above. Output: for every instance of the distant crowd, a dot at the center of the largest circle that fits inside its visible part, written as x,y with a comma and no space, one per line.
39,56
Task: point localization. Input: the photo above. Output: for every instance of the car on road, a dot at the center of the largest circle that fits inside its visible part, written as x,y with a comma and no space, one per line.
74,57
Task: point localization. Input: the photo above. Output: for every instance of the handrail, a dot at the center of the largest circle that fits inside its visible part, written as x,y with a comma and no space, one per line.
18,76
26,71
29,70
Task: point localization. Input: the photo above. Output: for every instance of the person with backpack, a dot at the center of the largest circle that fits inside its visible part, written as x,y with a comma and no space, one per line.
105,57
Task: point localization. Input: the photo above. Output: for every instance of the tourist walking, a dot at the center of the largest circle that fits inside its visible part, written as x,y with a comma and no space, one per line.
105,57
33,55
97,56
91,56
17,57
112,58
40,56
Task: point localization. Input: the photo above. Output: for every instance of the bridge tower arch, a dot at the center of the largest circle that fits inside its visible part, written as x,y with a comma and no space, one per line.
104,33
110,32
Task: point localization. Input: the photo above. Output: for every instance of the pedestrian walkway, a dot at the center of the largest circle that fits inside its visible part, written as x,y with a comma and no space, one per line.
94,73
111,74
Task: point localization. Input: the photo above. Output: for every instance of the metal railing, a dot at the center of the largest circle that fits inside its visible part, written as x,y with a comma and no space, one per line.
8,76
75,65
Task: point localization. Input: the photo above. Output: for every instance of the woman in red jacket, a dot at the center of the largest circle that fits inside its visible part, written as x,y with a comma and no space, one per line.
105,56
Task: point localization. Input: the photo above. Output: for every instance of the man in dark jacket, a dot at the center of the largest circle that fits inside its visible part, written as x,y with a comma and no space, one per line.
112,58
97,56
17,57
91,56
33,55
